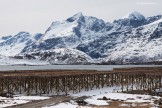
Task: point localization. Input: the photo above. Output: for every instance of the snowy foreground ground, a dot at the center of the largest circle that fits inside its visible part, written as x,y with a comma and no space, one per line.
130,100
94,95
5,102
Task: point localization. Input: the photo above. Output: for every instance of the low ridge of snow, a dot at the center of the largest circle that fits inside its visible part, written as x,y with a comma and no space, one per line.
12,61
64,56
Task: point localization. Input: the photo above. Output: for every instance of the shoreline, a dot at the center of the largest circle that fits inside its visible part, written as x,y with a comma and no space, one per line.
69,67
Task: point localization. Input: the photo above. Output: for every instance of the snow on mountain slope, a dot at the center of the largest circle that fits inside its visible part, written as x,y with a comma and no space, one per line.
156,22
142,44
15,44
58,29
38,36
84,39
78,25
139,44
128,22
4,38
70,33
64,28
125,40
1,40
152,19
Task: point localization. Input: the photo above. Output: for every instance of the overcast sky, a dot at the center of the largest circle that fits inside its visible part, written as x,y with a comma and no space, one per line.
35,16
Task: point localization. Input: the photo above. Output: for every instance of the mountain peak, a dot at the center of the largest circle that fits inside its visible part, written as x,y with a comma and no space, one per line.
23,33
75,17
135,15
78,15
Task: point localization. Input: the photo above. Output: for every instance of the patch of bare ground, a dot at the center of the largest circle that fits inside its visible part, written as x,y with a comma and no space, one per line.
149,92
42,103
117,104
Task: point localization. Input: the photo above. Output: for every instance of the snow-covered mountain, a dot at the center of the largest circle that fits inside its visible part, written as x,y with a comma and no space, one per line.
70,33
13,45
83,39
4,38
141,44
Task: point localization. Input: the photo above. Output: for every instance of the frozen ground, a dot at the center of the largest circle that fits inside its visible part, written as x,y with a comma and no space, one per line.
94,98
109,93
5,102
